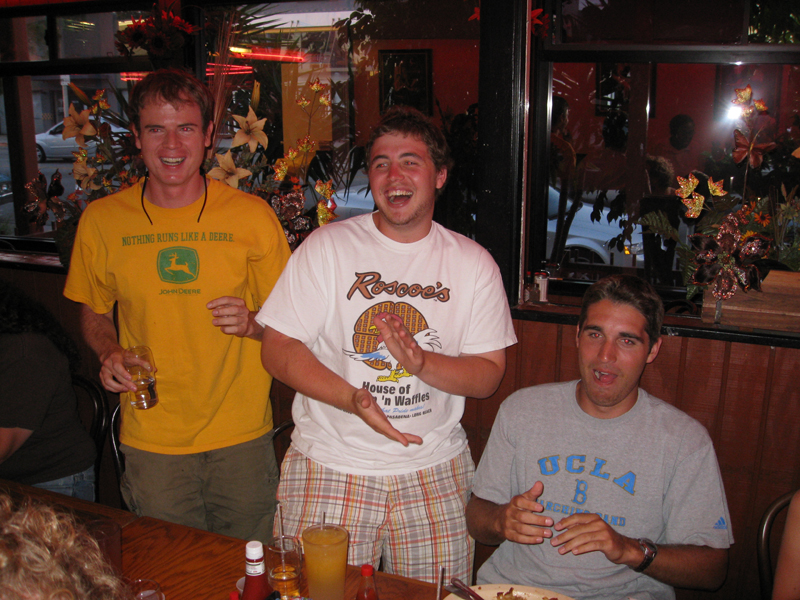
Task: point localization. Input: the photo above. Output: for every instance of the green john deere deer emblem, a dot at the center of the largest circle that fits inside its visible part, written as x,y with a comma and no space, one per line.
178,264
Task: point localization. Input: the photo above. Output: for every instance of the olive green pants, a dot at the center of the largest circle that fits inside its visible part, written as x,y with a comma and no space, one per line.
230,491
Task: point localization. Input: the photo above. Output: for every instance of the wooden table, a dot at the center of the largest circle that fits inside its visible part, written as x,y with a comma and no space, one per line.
191,564
84,511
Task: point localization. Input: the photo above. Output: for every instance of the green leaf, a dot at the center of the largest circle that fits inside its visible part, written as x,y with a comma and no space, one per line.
658,223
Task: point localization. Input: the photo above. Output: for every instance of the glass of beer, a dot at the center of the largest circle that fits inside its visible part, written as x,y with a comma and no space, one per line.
138,361
284,565
325,550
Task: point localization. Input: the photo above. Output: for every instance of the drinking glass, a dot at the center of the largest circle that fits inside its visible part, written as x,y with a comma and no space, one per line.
109,537
325,551
147,589
144,379
284,565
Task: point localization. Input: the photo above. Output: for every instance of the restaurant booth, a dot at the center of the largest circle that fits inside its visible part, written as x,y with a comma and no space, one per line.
487,73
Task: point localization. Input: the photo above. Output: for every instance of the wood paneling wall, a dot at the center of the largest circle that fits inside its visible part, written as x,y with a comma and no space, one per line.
746,396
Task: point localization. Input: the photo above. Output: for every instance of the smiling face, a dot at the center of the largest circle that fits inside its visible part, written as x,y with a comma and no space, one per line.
613,349
403,181
173,144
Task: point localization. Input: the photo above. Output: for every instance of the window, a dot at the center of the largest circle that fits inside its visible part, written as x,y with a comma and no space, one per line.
371,54
367,57
616,125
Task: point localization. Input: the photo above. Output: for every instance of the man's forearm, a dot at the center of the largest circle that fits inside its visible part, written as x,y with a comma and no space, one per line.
290,361
482,517
470,375
688,566
99,332
11,438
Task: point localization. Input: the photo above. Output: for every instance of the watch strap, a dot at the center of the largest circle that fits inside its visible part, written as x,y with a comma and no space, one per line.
650,550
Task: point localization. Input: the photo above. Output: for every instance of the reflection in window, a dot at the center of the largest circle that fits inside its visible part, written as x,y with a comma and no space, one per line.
52,96
631,21
622,134
367,59
92,35
23,39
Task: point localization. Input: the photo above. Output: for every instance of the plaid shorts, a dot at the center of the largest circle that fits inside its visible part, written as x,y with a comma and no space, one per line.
414,523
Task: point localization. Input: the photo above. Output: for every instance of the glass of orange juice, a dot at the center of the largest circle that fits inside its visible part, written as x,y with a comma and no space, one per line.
325,553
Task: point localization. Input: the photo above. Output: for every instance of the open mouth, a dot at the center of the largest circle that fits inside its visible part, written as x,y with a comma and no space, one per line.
398,196
603,376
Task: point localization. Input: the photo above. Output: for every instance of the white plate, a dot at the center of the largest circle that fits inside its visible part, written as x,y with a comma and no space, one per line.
521,592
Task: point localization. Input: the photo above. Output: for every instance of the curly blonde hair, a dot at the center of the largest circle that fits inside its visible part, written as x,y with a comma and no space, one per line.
46,555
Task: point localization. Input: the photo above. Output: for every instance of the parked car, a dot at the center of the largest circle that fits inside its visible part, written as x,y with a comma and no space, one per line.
50,145
588,242
350,201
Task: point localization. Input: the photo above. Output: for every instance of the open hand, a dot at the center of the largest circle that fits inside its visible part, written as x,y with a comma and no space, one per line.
399,342
365,406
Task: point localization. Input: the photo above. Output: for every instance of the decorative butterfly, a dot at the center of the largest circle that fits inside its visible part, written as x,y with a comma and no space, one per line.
743,95
715,187
744,148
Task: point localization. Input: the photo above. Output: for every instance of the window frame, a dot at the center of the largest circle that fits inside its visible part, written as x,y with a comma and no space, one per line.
546,52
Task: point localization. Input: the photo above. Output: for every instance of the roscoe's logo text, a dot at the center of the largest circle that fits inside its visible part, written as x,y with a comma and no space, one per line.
370,285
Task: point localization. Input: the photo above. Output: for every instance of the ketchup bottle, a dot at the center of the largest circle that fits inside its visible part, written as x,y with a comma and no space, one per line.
366,589
256,586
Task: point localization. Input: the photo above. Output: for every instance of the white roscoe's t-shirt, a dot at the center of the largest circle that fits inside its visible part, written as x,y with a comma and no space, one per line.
449,293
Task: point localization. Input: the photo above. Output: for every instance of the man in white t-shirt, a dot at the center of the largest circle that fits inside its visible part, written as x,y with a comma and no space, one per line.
594,488
384,323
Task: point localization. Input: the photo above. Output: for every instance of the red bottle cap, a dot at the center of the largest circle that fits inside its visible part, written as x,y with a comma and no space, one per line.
366,570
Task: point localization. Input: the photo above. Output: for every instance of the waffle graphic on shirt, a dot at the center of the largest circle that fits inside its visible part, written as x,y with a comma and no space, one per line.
365,336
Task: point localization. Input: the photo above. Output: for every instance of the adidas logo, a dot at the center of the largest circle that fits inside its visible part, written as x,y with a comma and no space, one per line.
721,524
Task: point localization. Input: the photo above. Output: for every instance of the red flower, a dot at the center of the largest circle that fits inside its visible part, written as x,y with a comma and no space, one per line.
762,218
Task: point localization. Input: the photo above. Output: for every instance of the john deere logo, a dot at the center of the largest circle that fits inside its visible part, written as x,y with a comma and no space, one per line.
178,265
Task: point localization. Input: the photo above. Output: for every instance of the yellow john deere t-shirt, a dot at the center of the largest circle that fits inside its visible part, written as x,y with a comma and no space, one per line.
212,390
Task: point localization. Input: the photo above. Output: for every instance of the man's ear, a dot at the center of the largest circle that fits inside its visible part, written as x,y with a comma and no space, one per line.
654,350
209,135
135,133
441,178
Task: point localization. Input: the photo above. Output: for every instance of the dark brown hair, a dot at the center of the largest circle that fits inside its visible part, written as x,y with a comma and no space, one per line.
630,290
409,121
175,86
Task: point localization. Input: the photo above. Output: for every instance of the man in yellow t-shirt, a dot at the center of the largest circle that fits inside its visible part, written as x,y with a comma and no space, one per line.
188,262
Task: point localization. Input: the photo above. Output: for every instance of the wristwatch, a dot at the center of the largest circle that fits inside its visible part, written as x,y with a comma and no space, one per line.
650,550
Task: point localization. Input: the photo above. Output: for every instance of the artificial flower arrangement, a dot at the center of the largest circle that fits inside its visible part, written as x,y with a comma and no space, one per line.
113,165
734,235
283,183
161,35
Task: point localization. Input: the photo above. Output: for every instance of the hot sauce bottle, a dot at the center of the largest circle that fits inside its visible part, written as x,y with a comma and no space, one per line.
366,589
256,586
